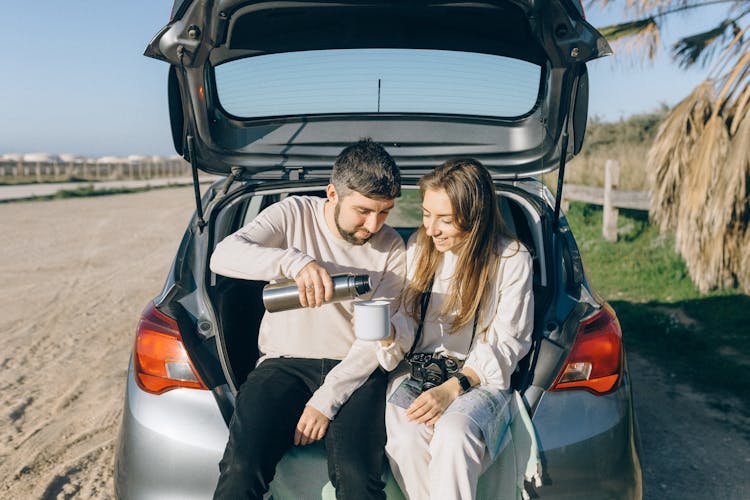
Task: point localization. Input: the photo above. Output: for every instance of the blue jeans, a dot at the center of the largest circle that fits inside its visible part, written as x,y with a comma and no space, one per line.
268,407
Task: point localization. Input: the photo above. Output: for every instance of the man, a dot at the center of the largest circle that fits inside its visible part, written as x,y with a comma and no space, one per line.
314,380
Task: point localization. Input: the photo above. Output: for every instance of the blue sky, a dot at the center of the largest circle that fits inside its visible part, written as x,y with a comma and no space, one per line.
74,79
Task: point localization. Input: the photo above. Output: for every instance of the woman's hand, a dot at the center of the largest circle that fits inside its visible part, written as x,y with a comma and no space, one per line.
431,404
390,339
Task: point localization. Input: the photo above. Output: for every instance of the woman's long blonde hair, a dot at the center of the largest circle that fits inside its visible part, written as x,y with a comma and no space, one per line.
471,192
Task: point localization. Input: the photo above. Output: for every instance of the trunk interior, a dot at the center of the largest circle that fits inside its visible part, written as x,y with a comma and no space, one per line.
239,306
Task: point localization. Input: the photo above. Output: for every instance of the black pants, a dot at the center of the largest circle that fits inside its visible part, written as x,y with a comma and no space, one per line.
268,407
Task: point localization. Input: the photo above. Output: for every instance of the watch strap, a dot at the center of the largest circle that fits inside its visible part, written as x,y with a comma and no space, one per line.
463,380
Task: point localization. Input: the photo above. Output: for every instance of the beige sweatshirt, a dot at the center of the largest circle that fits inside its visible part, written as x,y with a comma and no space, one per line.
276,245
503,334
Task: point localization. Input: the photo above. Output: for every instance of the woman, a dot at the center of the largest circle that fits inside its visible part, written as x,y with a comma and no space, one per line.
468,299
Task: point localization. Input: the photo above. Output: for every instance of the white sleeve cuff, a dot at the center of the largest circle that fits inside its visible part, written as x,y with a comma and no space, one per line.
389,357
298,264
324,403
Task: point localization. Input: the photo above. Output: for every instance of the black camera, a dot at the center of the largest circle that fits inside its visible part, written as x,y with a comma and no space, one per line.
431,370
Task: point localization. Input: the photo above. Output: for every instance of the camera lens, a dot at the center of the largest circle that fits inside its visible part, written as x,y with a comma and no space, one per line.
433,376
428,385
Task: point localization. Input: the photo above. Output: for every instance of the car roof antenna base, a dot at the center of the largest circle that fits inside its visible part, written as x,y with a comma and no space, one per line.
196,185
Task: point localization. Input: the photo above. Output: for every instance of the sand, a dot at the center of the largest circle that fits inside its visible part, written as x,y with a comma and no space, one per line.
75,274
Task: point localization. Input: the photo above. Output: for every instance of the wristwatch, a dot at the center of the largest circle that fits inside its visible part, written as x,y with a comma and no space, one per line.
463,380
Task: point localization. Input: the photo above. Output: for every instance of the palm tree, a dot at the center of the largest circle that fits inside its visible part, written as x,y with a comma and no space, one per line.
700,159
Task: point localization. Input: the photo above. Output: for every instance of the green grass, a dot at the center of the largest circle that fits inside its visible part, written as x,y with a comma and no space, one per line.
407,212
86,191
700,338
642,266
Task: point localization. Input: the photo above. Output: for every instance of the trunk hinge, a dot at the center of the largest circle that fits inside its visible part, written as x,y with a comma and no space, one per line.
236,174
196,185
295,173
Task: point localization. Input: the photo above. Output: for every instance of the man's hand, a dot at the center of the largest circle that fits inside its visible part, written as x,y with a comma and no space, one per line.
315,285
311,427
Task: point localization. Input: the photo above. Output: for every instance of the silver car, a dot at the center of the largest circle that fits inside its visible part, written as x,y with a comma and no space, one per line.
266,94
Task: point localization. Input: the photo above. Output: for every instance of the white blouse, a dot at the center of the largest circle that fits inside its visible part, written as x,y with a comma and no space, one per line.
503,336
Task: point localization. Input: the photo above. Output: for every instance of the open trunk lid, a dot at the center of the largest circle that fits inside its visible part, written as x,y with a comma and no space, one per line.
207,39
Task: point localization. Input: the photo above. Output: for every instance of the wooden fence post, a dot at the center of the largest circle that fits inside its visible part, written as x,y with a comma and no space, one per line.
611,180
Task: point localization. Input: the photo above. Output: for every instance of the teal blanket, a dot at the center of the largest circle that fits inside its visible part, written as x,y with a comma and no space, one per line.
303,473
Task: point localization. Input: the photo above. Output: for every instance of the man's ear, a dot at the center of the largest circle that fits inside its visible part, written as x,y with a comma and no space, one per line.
331,194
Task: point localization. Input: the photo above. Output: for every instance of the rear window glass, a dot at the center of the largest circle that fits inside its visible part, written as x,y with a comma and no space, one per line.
377,80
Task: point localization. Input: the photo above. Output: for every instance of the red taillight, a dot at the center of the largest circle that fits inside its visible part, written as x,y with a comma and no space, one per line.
160,361
595,361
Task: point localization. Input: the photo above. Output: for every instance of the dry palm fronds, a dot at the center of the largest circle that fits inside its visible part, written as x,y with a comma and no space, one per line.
645,30
741,109
635,36
671,153
631,28
737,190
733,80
701,161
734,47
699,47
641,6
703,216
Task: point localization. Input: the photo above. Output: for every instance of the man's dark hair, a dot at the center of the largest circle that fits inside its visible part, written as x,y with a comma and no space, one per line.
367,168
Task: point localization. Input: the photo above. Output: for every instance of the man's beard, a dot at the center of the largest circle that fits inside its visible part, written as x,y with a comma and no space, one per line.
347,235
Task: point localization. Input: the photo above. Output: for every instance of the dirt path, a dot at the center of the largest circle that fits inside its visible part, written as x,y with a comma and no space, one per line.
694,446
75,276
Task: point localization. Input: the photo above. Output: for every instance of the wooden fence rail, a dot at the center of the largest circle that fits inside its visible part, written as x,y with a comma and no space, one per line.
609,197
91,170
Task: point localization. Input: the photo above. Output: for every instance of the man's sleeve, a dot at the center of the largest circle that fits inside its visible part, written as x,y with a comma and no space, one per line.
361,360
259,250
345,378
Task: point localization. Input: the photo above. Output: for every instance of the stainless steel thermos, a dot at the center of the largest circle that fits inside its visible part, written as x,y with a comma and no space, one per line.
284,295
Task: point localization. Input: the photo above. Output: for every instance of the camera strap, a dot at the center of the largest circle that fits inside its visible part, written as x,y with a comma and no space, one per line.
424,302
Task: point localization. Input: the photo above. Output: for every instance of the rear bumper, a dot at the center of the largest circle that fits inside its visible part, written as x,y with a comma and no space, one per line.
169,445
589,445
